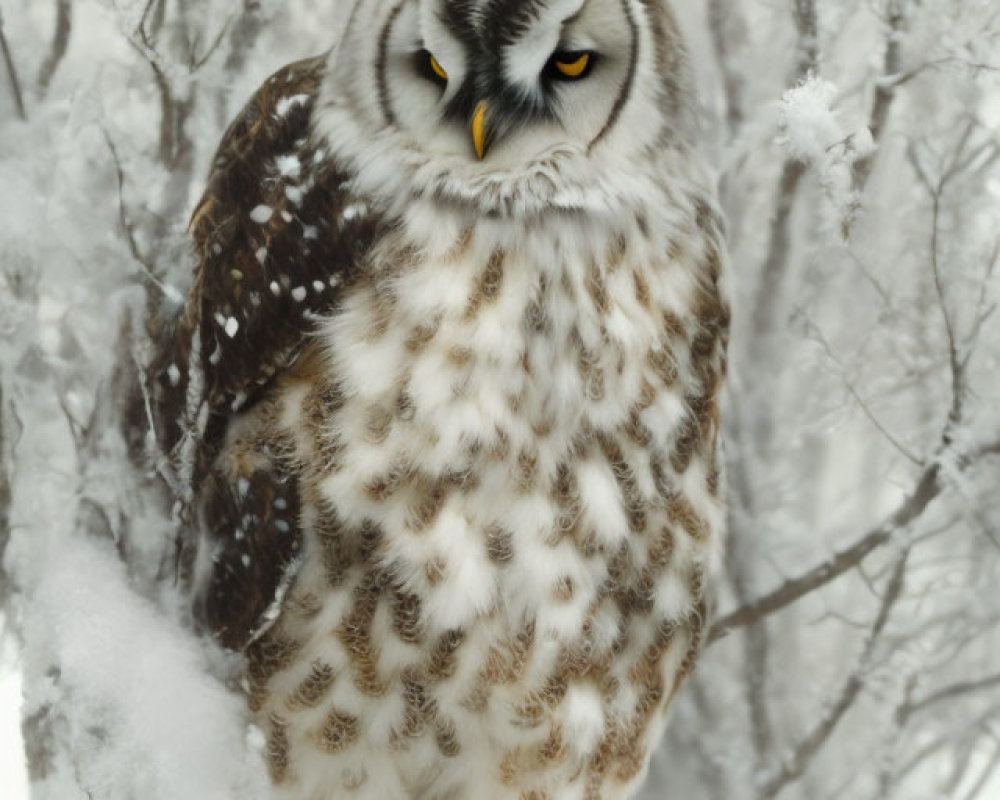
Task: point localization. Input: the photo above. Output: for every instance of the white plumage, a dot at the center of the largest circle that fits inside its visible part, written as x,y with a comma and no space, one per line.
480,458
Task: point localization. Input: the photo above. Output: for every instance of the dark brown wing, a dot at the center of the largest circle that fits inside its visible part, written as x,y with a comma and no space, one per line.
274,246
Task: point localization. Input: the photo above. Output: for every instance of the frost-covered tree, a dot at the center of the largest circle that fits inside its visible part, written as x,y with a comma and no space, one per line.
855,651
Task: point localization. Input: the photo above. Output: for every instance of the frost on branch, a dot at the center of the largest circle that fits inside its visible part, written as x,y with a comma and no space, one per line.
811,132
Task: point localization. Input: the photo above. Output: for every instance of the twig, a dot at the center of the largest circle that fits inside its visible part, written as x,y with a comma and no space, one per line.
128,229
776,262
960,161
927,488
817,336
60,43
196,63
166,147
954,690
896,80
794,766
728,31
976,789
6,457
15,82
982,312
885,93
936,745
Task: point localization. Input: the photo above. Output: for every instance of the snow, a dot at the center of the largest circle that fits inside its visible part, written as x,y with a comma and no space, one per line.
13,775
288,166
808,124
261,214
286,104
352,211
812,131
123,665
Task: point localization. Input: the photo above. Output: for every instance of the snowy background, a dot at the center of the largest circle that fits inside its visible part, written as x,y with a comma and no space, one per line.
856,651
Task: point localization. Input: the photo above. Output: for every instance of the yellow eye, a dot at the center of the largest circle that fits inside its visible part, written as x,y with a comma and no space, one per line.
571,65
436,68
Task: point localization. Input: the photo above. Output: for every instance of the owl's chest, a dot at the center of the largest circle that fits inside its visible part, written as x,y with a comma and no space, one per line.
485,341
506,464
487,395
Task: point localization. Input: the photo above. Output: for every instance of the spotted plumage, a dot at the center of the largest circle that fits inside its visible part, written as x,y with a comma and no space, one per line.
442,407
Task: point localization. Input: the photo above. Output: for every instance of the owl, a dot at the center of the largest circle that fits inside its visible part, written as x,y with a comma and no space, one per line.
440,414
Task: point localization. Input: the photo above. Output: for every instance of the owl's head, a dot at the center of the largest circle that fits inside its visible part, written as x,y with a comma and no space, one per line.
508,105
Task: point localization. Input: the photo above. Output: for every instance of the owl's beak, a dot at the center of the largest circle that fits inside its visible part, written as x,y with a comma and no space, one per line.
479,129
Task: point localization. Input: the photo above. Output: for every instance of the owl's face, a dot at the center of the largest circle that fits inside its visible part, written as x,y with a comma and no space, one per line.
508,103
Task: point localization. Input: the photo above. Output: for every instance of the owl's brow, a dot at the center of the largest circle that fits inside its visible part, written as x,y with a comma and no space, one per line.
492,23
626,90
383,51
459,17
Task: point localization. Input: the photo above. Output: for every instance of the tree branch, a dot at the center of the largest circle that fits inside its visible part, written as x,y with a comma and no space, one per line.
927,488
60,43
776,262
794,766
885,93
12,76
947,693
817,336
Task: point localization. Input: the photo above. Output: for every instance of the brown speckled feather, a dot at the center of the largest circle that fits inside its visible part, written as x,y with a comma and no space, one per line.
274,248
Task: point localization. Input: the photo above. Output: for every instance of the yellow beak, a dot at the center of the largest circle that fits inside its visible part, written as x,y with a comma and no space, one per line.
479,129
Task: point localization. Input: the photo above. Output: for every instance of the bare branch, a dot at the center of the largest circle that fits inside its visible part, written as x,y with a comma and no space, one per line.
6,459
927,488
150,273
954,362
982,312
197,63
949,692
12,76
776,262
167,102
802,755
153,16
936,745
885,93
818,336
60,43
728,31
994,763
804,14
896,80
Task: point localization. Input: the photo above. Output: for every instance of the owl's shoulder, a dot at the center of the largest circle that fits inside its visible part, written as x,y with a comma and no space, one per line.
271,124
261,236
275,238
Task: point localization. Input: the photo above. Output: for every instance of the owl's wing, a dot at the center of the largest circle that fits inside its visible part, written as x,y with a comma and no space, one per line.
273,245
276,235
